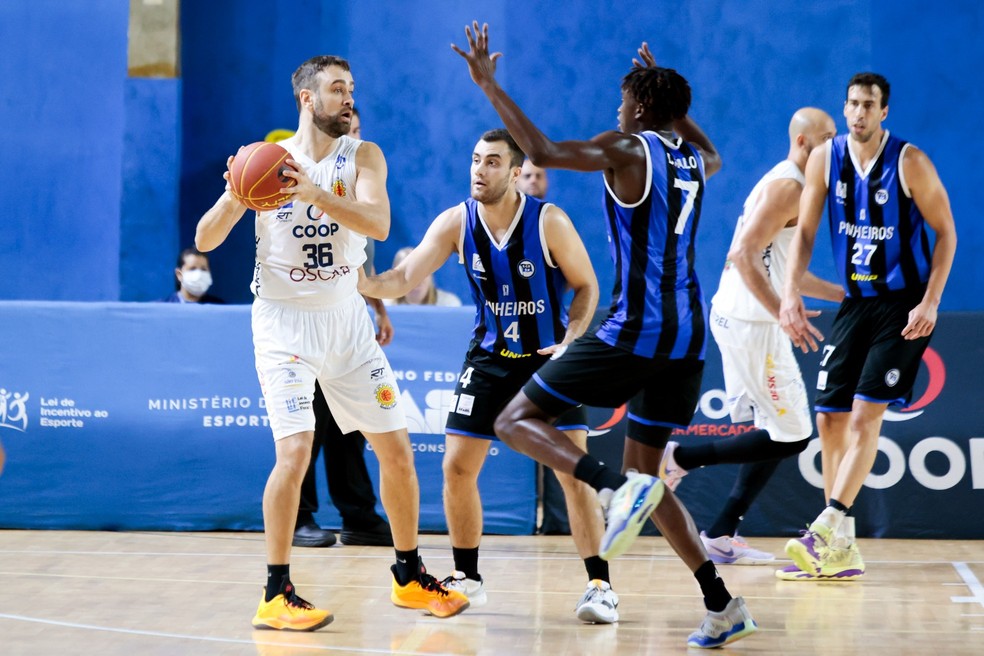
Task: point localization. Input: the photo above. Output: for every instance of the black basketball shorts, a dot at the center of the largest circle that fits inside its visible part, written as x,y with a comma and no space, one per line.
486,384
661,393
866,356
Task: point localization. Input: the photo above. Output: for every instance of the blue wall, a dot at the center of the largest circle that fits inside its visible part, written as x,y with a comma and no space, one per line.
751,64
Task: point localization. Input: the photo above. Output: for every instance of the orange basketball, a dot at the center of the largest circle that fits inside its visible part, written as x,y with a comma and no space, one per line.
257,176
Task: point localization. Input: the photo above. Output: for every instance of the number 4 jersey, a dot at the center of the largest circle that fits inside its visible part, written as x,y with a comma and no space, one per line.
302,255
877,233
517,288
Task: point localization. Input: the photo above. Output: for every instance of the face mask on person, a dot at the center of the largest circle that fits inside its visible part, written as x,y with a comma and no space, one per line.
196,282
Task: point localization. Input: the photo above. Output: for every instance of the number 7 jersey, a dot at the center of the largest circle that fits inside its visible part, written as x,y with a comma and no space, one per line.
657,305
302,254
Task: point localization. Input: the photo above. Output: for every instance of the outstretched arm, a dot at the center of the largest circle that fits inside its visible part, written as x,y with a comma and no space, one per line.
438,244
686,127
608,150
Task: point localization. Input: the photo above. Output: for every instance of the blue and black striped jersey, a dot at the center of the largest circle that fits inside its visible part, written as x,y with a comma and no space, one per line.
877,233
518,291
657,305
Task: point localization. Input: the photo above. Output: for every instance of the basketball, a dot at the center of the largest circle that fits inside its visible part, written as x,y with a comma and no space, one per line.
257,176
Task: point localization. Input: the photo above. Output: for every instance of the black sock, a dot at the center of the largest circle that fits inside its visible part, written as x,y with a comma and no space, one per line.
753,446
597,569
278,578
466,561
407,567
593,472
716,596
752,478
837,505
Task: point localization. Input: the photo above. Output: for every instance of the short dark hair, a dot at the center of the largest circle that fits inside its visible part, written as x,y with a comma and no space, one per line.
306,74
871,80
663,92
181,260
516,154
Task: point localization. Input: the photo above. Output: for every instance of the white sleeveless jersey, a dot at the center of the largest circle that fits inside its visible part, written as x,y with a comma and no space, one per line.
302,255
733,298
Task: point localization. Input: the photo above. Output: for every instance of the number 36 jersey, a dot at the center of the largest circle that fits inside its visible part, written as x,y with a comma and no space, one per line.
302,254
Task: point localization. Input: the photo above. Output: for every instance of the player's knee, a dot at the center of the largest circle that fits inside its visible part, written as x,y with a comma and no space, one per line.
456,473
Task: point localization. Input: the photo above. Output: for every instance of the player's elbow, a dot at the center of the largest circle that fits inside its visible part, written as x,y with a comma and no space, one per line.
712,163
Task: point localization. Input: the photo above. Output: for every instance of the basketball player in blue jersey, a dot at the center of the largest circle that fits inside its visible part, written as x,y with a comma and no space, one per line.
649,351
881,194
520,255
310,325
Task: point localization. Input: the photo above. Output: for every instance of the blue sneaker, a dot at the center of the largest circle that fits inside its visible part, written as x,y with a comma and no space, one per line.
630,507
719,629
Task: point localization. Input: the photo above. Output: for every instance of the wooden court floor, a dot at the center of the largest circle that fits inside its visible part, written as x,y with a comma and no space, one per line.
195,593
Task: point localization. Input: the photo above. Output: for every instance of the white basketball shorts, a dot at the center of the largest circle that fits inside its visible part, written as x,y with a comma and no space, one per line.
762,378
296,345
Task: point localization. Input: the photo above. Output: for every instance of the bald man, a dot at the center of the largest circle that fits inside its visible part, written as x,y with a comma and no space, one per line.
533,180
762,379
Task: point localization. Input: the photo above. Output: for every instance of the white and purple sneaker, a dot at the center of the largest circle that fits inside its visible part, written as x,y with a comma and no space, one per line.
727,550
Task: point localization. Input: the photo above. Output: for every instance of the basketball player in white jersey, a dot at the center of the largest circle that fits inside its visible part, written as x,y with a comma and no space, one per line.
310,323
762,378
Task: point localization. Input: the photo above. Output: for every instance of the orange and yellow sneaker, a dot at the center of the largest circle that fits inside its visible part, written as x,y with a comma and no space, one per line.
427,593
288,612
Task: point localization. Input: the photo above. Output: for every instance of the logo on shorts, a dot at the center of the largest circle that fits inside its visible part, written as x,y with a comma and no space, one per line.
525,268
881,196
892,377
293,405
465,404
376,374
385,396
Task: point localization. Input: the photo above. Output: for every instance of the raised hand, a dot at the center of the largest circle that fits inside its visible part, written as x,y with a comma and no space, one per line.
648,60
481,64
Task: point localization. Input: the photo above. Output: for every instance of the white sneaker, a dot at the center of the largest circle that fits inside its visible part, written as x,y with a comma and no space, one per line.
669,470
718,629
474,590
630,507
727,550
599,605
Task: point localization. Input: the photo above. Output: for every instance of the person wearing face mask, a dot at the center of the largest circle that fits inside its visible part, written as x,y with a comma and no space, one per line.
192,279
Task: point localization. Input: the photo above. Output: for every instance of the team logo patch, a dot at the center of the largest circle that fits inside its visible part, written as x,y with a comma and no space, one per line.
525,268
892,377
338,188
477,263
385,396
881,196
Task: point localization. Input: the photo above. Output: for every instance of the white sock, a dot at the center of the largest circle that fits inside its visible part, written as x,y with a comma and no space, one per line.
845,534
831,518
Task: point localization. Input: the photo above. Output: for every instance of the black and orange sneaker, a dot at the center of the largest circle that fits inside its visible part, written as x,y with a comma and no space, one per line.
427,593
288,612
